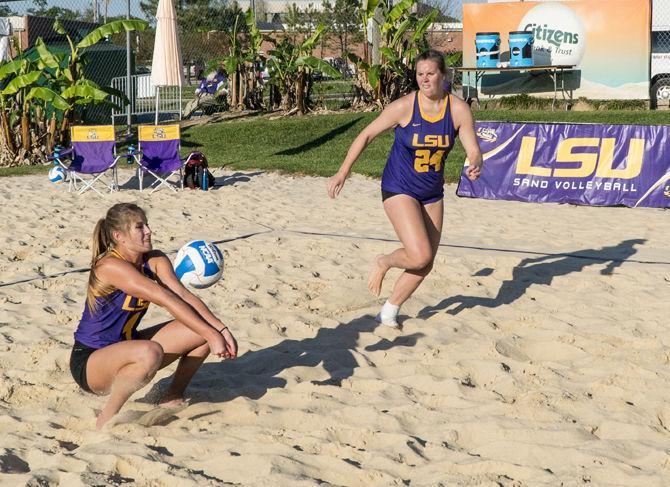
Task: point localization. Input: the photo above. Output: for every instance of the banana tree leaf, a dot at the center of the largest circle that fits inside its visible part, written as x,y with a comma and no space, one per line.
455,59
423,25
230,64
388,54
404,26
373,75
399,11
369,7
84,91
12,67
109,28
68,74
46,56
309,44
58,27
320,65
49,96
88,82
22,81
116,93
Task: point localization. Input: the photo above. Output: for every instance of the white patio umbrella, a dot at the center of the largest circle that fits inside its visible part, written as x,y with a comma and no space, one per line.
166,66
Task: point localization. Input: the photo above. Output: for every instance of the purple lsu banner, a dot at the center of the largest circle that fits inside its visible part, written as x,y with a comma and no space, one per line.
582,164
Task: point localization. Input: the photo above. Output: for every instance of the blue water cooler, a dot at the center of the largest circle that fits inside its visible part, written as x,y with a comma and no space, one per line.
521,49
487,45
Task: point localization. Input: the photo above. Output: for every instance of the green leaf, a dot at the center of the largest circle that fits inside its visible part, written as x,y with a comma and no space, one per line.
58,27
369,7
399,11
116,93
389,54
454,59
46,56
49,96
230,64
20,82
110,28
309,44
320,65
423,25
12,67
400,33
84,91
373,75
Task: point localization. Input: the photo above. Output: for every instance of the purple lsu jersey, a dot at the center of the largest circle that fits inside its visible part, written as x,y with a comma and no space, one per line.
415,166
116,318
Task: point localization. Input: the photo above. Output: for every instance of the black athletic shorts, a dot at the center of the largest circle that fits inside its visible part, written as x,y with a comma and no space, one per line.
78,361
387,194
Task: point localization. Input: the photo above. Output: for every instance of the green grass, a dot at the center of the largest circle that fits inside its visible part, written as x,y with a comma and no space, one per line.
317,144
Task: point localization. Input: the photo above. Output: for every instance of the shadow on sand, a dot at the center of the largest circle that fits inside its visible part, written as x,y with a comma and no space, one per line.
229,180
538,270
313,144
253,373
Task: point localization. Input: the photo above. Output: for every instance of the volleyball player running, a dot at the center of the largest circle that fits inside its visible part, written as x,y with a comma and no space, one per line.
425,122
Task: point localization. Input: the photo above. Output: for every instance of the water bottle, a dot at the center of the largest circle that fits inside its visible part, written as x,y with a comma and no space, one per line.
204,181
131,152
57,149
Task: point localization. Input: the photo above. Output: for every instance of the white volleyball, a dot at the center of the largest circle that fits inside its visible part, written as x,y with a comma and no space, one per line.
199,264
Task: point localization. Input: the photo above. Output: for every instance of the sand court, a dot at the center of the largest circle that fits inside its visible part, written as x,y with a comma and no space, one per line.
535,353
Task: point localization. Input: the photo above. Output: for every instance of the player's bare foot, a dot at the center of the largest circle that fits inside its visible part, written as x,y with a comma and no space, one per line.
377,275
102,419
169,401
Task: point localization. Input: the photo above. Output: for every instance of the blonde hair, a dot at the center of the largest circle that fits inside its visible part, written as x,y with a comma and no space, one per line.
118,218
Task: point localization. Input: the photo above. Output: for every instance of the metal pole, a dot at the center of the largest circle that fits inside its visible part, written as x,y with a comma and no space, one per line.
129,90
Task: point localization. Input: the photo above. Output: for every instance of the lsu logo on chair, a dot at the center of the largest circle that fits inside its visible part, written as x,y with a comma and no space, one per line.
92,134
159,133
487,134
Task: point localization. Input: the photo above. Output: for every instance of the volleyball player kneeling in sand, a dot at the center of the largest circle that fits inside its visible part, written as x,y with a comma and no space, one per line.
110,356
425,122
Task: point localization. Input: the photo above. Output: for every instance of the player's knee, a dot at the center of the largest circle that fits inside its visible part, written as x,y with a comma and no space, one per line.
150,356
421,258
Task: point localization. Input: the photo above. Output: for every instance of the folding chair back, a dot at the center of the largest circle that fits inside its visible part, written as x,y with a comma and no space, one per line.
159,147
93,153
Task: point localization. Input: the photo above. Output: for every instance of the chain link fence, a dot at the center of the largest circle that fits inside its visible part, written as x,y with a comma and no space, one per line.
204,30
203,43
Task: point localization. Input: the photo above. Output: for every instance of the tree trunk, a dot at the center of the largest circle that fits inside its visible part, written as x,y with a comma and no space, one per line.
25,128
233,90
300,93
64,126
51,140
7,132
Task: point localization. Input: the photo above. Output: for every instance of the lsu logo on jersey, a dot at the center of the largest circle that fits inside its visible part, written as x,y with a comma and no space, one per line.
134,304
436,141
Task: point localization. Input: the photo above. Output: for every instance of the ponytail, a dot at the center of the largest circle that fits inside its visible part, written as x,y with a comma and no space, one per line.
102,241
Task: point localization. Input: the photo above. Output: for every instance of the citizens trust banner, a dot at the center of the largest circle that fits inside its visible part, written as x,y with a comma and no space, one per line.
583,164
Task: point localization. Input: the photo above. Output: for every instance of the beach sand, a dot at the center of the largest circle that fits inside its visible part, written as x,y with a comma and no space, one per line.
536,353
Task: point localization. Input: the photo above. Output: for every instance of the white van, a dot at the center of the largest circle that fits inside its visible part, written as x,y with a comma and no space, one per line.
660,68
659,82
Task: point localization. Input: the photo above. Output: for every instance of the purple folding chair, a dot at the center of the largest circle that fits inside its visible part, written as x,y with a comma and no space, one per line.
159,156
92,158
